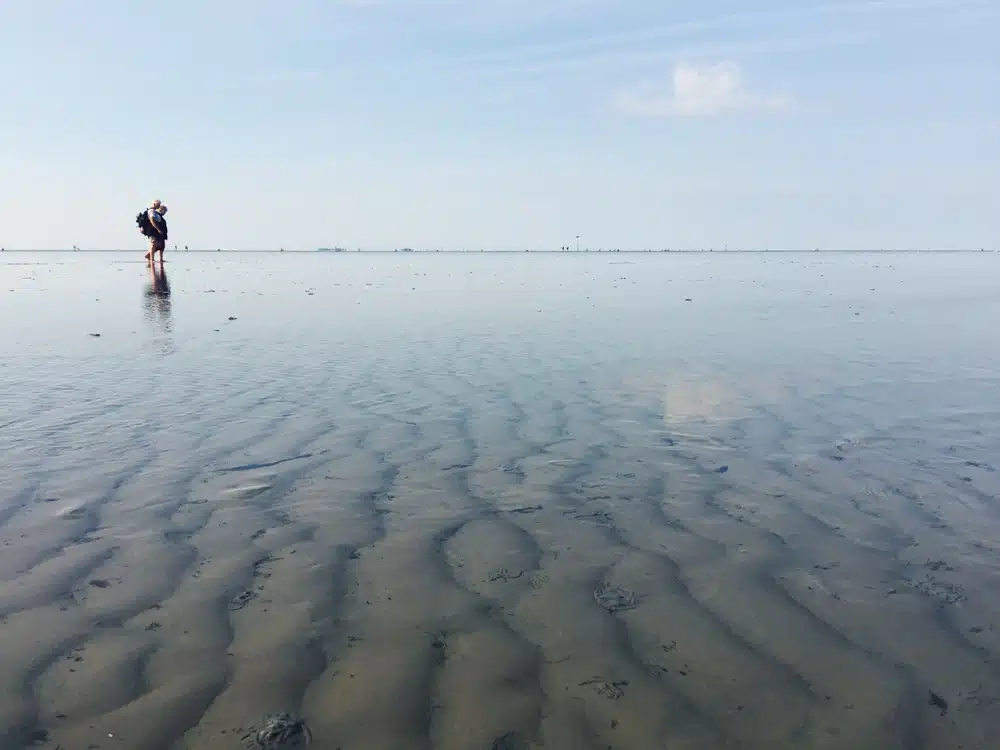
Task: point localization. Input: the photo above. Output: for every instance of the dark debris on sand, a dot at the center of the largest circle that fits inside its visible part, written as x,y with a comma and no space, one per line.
937,565
280,731
241,600
612,690
38,737
509,741
933,699
616,599
503,574
943,591
524,509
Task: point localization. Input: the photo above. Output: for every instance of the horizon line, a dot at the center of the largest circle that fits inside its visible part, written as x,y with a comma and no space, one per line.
582,251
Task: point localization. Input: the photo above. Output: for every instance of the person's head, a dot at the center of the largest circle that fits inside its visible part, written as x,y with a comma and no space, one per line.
161,209
155,204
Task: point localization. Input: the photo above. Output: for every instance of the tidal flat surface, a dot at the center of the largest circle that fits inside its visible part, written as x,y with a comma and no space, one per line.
500,502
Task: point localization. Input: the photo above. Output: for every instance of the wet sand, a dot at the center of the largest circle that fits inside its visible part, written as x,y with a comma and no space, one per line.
455,504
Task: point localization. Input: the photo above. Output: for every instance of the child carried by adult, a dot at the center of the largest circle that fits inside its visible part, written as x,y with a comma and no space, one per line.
153,224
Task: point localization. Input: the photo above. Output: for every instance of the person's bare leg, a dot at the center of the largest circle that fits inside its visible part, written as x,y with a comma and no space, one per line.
154,245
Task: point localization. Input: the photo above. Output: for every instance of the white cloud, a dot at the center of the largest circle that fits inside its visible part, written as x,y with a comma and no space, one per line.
697,91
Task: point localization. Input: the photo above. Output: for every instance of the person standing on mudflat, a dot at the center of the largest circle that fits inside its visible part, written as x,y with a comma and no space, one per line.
156,229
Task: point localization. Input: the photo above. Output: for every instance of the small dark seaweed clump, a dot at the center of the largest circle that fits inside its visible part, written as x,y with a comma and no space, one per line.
509,741
240,601
938,702
948,593
280,731
616,599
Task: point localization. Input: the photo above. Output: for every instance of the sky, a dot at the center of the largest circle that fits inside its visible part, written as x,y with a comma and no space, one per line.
502,124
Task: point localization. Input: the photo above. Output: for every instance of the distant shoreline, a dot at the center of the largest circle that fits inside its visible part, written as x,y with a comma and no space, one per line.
524,252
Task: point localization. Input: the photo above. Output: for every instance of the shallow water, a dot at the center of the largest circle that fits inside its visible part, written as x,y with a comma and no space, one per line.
488,501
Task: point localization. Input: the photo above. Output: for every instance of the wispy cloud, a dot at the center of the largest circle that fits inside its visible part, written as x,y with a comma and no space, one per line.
651,56
477,13
525,37
697,91
651,19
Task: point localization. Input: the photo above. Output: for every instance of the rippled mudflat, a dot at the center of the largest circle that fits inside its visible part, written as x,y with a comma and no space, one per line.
500,502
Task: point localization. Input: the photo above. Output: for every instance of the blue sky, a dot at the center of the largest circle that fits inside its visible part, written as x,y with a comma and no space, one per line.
504,124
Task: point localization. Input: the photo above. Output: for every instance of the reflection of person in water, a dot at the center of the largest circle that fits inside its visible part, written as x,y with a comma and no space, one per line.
157,297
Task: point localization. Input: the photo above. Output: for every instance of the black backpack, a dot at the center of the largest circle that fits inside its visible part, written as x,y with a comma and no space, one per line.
142,221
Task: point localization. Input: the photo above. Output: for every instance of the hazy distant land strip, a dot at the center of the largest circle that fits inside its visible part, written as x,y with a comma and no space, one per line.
556,251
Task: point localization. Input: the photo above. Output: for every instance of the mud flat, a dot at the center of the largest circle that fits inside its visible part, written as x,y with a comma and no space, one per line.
503,529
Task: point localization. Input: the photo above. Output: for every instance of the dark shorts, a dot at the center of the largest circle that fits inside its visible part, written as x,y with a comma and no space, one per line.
157,244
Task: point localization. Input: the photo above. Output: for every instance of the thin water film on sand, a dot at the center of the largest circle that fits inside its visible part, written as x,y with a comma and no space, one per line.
500,503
